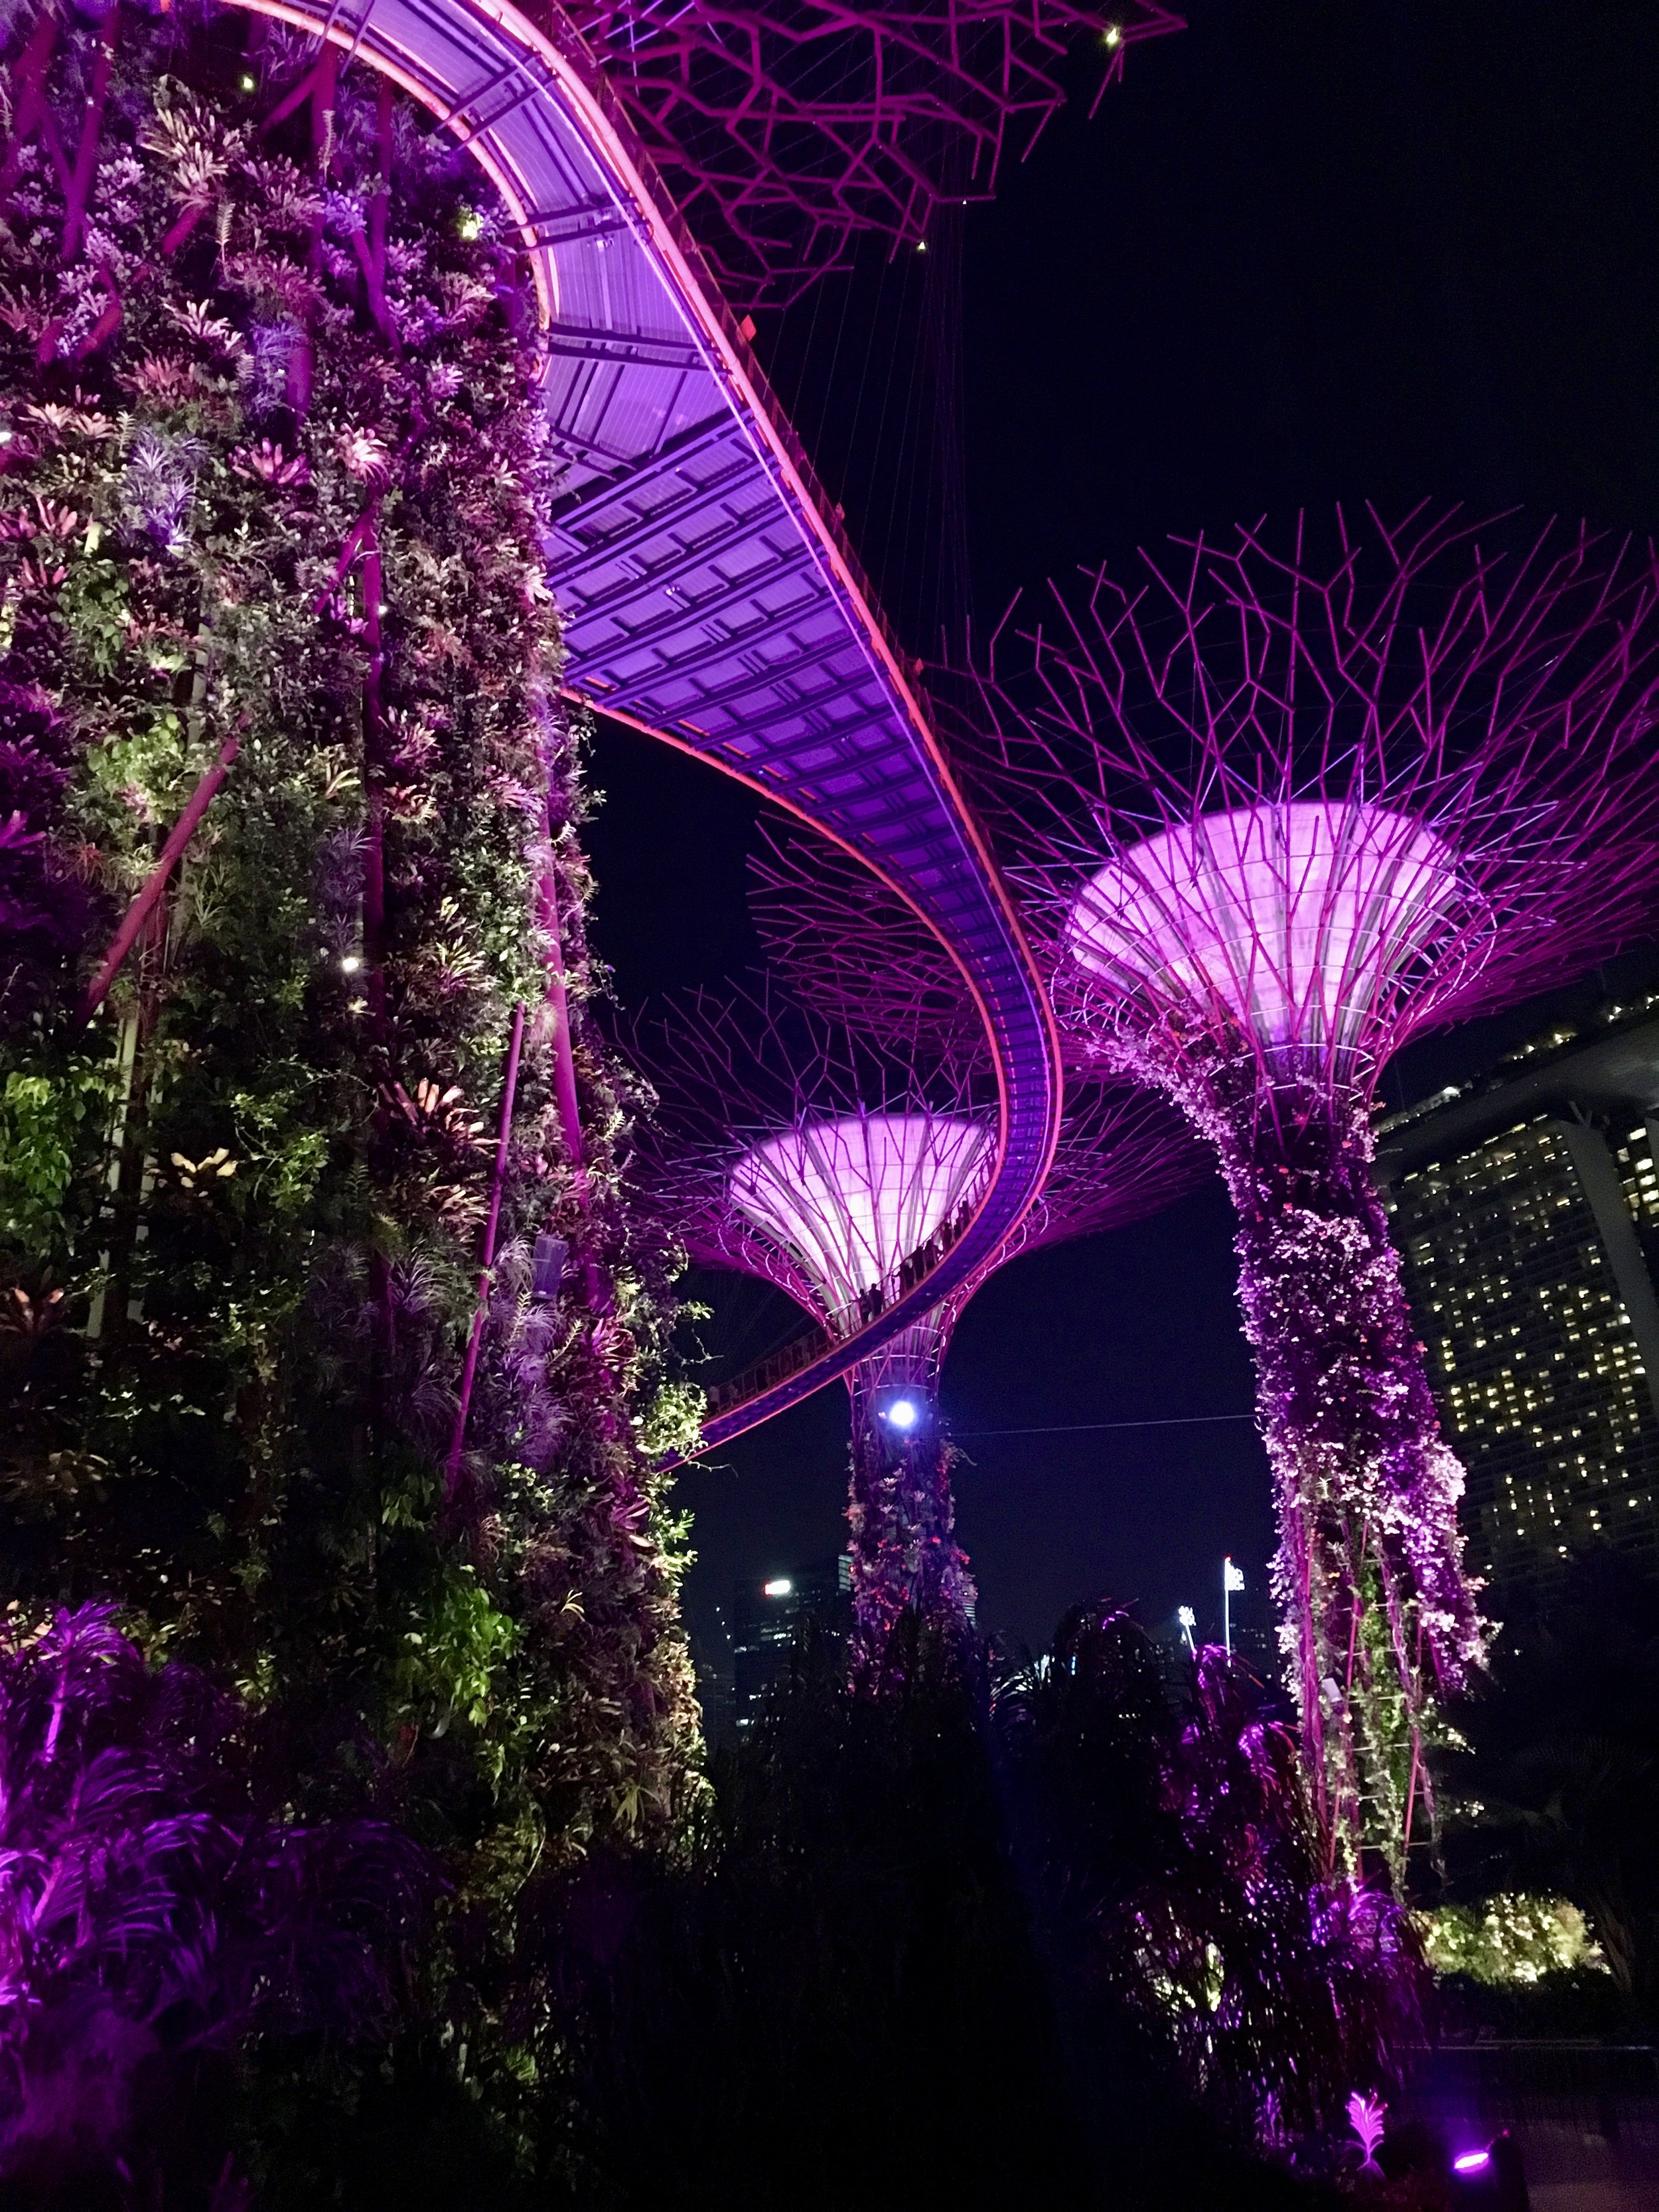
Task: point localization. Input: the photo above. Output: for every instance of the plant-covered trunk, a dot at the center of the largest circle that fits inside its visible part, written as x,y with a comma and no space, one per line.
1379,1622
274,473
900,1509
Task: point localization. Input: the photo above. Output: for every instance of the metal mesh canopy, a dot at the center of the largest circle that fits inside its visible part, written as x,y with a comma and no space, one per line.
786,128
1293,919
852,1198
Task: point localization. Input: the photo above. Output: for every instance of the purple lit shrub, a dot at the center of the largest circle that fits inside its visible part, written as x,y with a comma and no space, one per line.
1181,1866
150,1918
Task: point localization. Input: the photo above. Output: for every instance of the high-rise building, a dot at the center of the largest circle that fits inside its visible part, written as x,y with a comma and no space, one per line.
1525,1207
766,1618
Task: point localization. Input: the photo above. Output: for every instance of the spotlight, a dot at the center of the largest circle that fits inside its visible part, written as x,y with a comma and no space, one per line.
351,964
903,1413
1472,2161
781,1588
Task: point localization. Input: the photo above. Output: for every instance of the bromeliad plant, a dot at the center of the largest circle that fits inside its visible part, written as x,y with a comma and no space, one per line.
272,488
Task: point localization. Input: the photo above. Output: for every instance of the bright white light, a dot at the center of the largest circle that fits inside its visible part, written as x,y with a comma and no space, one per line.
1472,2161
1232,1577
1295,919
903,1413
1186,1617
851,1198
1113,34
782,1588
351,964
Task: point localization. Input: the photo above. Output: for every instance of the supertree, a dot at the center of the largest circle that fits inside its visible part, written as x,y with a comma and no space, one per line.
1279,811
837,1165
785,129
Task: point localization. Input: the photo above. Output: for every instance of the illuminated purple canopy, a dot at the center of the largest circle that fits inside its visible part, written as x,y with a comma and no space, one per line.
1298,919
841,1167
851,1199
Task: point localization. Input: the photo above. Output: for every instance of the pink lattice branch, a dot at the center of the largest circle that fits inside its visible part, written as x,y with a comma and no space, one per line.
1383,790
788,129
845,946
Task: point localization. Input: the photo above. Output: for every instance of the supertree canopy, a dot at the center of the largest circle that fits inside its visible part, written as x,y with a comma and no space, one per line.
786,131
837,1167
1280,812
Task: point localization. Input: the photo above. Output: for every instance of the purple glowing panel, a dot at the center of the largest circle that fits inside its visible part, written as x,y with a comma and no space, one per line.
710,597
852,1198
1296,920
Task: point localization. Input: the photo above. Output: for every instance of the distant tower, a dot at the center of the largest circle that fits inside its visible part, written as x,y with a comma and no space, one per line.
858,1201
1525,1209
840,1170
1277,816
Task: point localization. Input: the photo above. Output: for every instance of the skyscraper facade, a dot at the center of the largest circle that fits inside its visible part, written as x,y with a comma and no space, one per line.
766,1617
1525,1207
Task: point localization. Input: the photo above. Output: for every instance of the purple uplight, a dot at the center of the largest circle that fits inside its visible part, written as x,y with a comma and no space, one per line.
1471,2161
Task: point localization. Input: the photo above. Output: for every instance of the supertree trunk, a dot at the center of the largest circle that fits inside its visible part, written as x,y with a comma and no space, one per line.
900,1508
1377,1620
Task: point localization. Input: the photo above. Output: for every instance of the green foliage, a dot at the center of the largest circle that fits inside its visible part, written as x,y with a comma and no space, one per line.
53,1128
1509,1938
451,1661
1555,1789
672,1421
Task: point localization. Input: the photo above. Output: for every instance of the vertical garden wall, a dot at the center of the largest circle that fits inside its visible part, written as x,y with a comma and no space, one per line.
271,482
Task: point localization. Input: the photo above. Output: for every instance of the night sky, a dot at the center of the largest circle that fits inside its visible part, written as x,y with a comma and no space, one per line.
1305,252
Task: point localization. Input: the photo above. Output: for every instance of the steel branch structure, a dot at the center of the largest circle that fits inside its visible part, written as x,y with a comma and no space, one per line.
1279,811
840,1170
787,129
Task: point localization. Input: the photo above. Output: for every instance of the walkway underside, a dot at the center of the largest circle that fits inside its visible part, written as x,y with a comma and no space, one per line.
708,598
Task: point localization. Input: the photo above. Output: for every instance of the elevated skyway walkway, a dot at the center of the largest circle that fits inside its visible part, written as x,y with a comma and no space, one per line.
710,598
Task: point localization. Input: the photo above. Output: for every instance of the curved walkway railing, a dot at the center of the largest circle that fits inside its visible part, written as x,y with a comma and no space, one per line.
709,598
